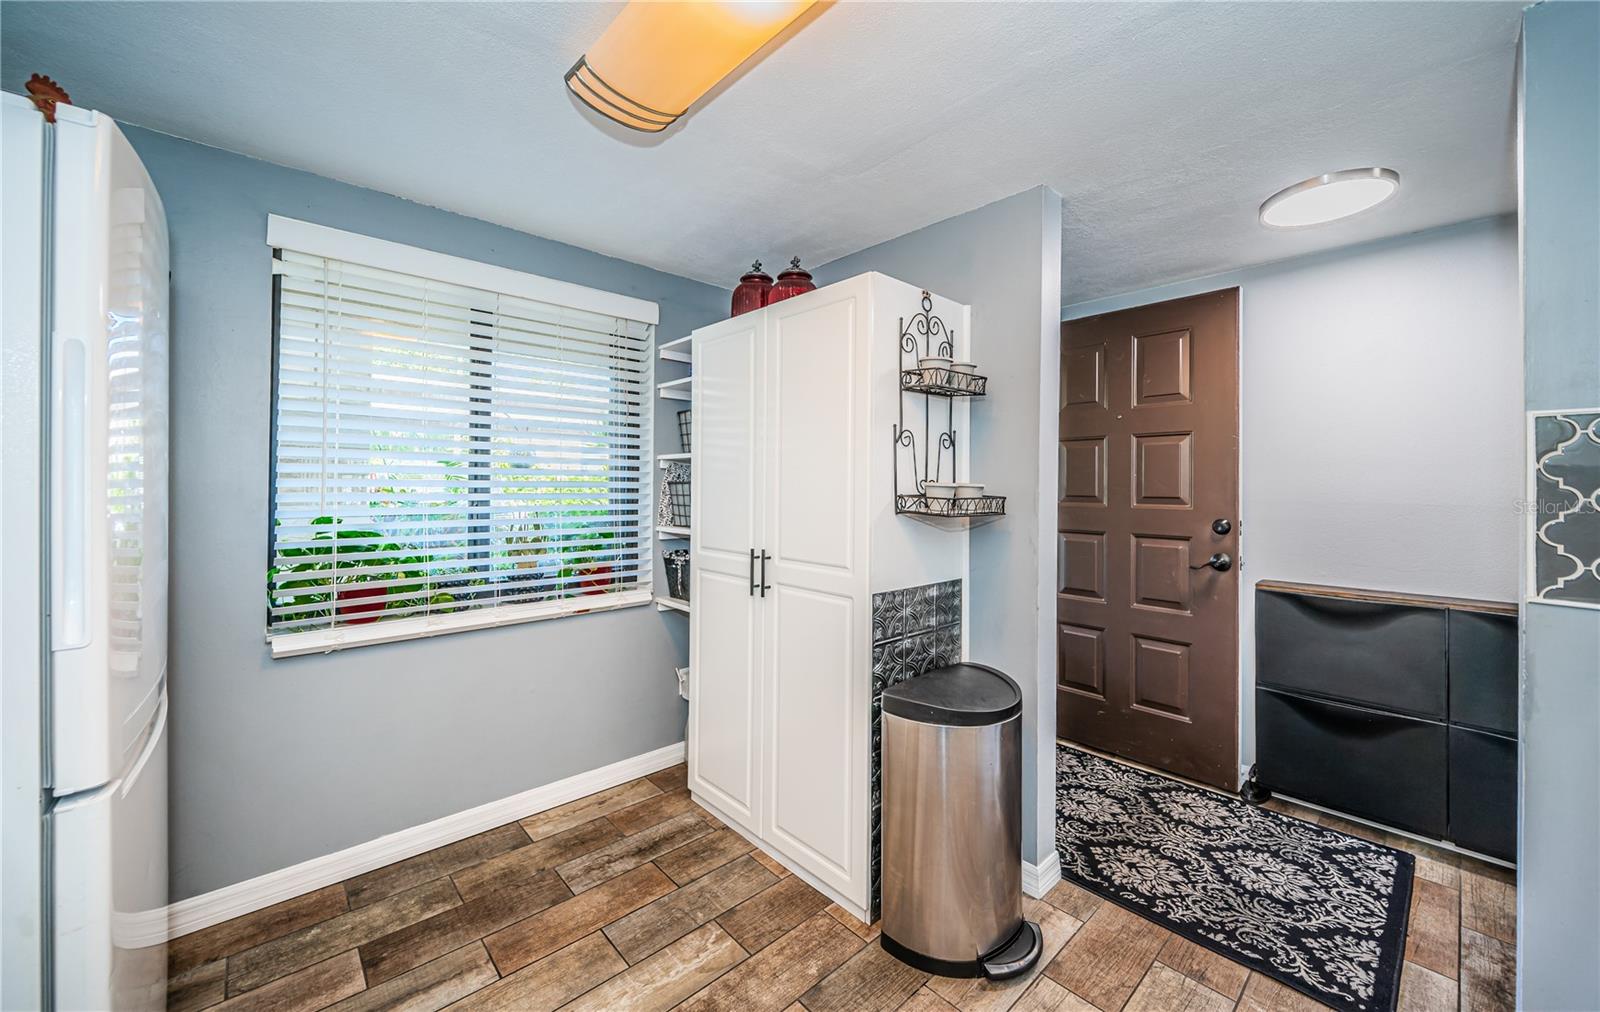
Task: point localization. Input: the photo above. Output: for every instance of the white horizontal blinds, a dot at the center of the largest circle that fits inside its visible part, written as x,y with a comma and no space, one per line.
442,449
136,350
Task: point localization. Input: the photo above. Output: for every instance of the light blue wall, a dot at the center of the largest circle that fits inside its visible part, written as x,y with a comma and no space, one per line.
1004,260
276,762
1558,874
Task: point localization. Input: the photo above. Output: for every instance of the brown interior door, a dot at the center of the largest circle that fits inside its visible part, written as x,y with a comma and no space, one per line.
1147,633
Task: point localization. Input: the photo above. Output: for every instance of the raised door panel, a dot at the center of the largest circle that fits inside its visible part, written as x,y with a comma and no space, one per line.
725,526
812,749
726,440
814,403
724,692
816,641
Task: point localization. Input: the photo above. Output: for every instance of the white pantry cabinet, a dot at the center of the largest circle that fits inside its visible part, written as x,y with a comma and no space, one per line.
793,529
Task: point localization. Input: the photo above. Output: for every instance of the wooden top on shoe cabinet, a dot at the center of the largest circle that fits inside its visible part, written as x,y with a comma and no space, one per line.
1390,597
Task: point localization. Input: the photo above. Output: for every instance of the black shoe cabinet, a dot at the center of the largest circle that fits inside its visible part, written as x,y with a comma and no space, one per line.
1394,708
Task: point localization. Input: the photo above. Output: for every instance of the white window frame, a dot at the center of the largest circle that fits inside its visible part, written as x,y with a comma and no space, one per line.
335,244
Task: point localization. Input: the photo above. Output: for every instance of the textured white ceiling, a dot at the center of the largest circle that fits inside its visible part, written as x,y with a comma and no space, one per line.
1163,126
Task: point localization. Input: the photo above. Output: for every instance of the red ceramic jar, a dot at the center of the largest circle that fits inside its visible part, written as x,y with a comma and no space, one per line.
752,291
794,281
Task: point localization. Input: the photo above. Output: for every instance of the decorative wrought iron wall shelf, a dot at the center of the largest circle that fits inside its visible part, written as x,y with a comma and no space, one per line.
924,336
953,509
943,382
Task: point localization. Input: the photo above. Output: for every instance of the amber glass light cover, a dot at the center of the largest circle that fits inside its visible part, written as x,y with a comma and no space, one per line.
657,58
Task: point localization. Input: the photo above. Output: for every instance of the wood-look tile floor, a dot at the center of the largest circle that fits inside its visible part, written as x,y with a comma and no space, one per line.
635,898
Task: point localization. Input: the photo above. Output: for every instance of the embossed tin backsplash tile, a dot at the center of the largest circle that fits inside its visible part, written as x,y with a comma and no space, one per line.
1564,512
914,630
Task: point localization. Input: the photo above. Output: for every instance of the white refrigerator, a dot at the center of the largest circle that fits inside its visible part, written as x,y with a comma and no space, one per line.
83,571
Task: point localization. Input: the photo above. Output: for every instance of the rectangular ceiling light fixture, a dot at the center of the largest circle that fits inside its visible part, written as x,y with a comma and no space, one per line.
657,58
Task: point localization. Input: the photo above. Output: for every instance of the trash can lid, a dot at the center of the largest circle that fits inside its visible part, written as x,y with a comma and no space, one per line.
961,695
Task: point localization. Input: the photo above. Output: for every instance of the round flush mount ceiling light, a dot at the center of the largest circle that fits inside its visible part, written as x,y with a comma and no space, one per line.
1329,197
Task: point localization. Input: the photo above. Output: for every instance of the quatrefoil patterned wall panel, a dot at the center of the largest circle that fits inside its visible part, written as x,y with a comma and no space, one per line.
1565,508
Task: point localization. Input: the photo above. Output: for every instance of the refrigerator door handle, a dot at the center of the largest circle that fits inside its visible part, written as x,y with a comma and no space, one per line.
69,527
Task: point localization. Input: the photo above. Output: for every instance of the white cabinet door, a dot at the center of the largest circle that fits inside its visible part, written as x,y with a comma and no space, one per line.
816,636
725,527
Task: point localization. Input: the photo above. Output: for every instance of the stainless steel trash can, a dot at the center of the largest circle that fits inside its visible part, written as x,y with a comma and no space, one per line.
952,825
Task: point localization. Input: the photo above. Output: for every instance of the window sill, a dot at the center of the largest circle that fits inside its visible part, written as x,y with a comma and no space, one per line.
322,641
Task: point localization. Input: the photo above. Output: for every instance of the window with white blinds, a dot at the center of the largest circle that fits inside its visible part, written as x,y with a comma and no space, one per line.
447,456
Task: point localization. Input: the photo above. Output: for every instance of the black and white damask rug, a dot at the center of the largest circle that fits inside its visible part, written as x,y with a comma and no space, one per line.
1318,910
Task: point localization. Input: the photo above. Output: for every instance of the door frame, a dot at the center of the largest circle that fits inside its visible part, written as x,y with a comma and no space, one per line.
1245,612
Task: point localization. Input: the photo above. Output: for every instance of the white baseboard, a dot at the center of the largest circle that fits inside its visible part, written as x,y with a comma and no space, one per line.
1038,879
245,897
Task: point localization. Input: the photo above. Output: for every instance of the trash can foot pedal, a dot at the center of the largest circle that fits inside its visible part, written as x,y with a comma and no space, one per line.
1017,956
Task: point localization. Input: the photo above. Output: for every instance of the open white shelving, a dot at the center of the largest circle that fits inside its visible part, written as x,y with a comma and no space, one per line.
676,351
676,390
667,603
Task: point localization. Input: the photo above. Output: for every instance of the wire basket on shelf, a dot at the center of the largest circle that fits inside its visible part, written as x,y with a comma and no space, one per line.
939,506
677,562
673,508
684,420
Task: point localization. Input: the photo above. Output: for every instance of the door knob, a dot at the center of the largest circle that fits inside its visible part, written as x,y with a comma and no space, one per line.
1221,562
1220,526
